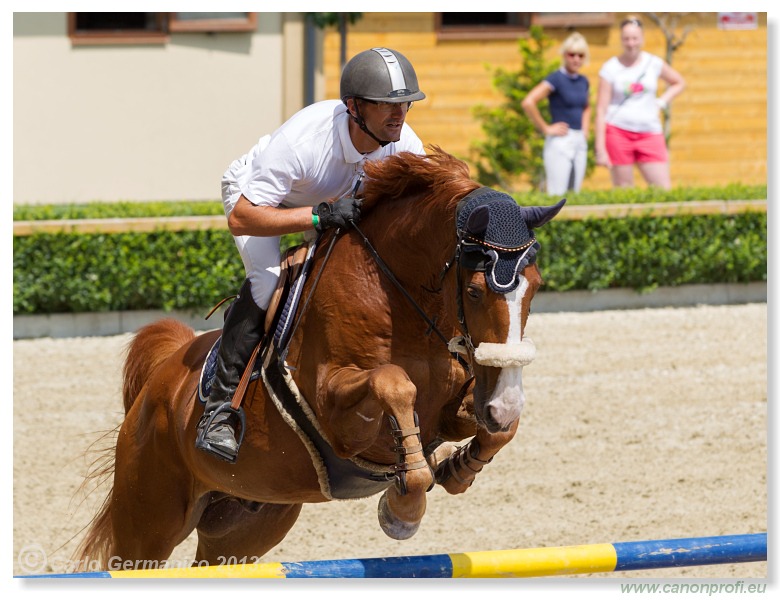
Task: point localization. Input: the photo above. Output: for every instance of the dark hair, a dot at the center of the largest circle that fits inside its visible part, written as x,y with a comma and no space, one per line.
631,21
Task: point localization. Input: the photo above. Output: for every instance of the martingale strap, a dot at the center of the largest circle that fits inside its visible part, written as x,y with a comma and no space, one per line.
431,323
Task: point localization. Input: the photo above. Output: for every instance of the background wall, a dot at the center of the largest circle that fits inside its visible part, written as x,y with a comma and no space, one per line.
151,122
163,122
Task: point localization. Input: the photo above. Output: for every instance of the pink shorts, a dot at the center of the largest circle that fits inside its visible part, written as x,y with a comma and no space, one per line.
628,147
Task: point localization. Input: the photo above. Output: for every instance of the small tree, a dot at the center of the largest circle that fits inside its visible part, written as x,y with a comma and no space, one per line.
513,146
340,20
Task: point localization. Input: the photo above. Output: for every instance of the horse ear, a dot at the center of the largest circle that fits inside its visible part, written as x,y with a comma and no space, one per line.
536,216
478,221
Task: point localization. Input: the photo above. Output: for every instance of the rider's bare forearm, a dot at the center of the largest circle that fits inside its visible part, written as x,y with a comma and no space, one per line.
265,221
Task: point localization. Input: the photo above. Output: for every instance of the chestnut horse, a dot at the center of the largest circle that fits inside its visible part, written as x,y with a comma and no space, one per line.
385,390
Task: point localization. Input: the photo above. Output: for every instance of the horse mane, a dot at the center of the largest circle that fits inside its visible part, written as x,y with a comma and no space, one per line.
408,174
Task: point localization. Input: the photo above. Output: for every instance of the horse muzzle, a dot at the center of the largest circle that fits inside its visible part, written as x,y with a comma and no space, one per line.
504,402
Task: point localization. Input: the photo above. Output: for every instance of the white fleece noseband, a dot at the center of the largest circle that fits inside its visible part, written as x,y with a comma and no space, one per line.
516,352
505,355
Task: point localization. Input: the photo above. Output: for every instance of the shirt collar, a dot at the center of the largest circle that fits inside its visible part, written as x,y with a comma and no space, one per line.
351,154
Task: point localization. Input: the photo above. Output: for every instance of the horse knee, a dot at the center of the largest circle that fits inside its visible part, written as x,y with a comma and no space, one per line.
361,398
391,385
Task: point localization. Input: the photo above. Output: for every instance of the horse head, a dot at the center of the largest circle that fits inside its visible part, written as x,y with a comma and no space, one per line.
497,278
489,299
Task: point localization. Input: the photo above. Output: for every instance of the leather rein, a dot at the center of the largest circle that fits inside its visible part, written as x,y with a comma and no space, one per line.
431,322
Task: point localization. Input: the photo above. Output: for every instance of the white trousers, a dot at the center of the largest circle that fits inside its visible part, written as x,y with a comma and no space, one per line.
261,255
565,158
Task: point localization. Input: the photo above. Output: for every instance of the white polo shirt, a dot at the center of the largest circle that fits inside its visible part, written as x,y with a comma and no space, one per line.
311,158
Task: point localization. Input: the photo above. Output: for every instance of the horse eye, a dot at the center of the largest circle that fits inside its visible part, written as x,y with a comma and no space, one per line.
474,292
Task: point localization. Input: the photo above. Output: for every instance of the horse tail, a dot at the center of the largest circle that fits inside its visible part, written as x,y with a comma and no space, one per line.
153,344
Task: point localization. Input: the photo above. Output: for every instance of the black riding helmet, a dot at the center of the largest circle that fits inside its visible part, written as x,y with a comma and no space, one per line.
379,75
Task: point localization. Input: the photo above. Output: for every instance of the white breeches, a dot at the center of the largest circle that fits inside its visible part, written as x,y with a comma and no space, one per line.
565,158
261,255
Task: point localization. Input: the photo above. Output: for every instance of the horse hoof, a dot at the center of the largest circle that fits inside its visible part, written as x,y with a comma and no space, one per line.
393,527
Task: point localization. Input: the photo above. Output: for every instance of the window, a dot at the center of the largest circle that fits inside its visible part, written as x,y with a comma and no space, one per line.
477,25
571,20
151,28
509,25
116,28
225,21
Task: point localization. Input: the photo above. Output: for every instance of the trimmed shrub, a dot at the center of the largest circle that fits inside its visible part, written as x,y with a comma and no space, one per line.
196,269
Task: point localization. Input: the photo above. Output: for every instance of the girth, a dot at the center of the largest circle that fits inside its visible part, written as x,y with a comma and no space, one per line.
340,478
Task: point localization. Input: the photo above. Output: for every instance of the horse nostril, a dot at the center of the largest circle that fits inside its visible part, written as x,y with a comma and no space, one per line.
503,415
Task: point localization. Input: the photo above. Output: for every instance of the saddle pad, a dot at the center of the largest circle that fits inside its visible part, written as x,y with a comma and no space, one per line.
209,370
339,478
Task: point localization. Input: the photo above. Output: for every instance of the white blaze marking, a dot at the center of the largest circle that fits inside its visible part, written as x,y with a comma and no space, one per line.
508,399
514,301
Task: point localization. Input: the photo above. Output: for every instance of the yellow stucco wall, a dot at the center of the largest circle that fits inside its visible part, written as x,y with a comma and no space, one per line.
719,124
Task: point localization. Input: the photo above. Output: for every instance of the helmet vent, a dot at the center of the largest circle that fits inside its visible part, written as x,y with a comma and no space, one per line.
397,79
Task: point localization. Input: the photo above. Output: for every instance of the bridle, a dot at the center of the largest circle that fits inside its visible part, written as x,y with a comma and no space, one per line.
463,344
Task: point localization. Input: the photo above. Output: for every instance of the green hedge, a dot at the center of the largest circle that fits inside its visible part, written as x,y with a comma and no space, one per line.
116,210
101,210
196,269
128,271
644,253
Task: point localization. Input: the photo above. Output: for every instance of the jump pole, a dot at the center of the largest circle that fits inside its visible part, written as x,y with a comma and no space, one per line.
531,562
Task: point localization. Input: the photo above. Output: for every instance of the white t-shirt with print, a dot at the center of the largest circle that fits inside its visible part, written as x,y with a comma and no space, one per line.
310,159
634,89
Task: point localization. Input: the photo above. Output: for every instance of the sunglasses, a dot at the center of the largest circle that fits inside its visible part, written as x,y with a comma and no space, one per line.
388,107
577,54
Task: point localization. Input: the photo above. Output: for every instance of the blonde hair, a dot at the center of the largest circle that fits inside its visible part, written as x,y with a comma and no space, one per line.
631,20
576,42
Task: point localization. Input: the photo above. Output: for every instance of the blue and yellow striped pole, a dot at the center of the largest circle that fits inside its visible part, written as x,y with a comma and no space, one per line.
532,562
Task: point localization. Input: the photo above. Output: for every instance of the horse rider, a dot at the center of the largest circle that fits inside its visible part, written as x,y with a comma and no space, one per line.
287,183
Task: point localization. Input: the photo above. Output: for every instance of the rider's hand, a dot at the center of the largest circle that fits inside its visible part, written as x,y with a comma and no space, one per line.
337,214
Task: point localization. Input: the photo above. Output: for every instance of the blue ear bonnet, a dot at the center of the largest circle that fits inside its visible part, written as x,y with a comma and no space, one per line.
495,238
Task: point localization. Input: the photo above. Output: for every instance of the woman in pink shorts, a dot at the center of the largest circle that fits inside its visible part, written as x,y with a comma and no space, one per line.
628,123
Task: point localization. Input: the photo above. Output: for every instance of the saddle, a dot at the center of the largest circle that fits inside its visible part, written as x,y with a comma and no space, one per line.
281,311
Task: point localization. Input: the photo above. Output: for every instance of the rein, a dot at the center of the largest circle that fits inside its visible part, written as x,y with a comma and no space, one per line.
391,276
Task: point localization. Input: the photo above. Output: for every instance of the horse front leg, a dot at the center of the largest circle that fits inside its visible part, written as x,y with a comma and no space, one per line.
457,467
362,400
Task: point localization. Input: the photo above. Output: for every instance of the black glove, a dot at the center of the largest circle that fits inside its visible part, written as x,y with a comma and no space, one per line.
337,214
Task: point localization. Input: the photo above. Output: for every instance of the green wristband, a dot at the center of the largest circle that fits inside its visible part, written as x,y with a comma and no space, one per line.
315,219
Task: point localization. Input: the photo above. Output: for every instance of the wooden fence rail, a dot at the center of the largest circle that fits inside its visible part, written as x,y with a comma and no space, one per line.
602,211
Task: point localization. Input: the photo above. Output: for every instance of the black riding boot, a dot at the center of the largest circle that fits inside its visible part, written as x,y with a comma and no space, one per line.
242,331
